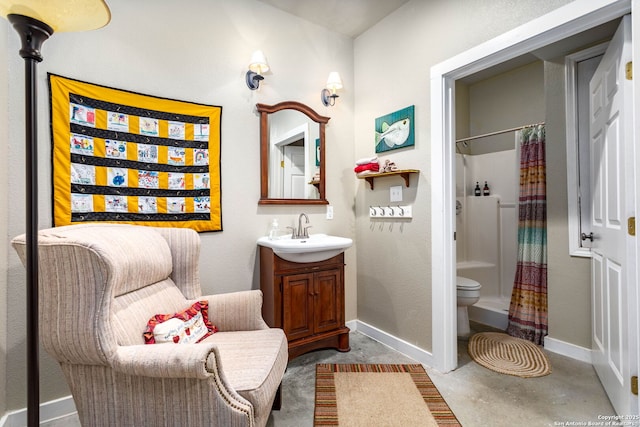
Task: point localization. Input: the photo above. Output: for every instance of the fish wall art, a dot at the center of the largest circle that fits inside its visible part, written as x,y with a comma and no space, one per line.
395,130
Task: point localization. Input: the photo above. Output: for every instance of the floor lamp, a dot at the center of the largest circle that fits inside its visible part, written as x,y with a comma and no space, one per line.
35,21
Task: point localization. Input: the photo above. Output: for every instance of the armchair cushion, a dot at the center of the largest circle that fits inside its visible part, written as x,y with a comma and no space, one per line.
188,326
253,363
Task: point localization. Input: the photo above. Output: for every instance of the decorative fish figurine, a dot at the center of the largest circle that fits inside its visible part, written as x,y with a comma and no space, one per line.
396,134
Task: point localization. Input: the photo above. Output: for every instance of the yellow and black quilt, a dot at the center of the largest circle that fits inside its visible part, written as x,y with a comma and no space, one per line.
124,157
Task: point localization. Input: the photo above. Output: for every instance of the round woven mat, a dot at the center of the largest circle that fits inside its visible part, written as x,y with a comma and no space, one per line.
508,355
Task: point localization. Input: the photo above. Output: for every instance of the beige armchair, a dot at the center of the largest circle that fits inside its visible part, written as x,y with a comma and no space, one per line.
98,287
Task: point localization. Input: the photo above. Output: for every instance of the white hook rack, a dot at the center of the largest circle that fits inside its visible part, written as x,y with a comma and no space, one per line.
390,211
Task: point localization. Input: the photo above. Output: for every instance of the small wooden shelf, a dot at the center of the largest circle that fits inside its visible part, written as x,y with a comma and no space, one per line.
405,174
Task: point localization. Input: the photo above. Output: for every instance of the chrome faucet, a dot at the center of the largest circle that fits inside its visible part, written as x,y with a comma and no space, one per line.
302,232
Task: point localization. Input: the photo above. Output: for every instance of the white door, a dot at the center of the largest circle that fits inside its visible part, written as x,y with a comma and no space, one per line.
294,176
612,196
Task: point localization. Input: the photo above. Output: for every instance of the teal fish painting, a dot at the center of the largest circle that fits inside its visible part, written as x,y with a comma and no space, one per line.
395,130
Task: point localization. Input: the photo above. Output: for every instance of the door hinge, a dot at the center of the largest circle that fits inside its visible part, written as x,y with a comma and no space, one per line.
634,385
629,70
281,163
454,235
631,226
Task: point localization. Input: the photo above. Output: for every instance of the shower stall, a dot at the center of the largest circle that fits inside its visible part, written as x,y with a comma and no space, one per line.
487,231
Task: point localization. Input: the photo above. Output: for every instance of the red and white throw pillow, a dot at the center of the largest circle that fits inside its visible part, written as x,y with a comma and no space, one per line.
188,326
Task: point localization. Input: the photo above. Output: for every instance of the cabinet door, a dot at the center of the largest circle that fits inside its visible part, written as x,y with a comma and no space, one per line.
298,305
328,300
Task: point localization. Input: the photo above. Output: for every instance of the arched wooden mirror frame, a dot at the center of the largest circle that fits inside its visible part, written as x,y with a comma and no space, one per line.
264,111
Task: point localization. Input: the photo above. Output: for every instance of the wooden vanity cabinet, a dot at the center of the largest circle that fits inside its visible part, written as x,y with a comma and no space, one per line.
306,300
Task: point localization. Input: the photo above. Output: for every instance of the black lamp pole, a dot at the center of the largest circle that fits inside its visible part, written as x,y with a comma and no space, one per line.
32,34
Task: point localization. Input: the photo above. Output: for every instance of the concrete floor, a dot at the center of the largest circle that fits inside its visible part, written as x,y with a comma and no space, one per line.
478,396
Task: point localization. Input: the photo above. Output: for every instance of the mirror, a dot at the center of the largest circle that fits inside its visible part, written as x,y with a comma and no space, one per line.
292,160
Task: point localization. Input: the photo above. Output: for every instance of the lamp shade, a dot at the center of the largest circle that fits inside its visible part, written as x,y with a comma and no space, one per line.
61,15
258,63
334,82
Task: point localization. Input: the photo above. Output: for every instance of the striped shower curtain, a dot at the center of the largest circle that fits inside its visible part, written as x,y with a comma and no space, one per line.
528,308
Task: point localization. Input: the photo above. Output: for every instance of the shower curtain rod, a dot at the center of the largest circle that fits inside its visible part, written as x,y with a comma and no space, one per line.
498,132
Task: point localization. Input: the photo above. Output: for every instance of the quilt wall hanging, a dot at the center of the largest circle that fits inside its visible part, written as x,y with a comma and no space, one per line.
124,157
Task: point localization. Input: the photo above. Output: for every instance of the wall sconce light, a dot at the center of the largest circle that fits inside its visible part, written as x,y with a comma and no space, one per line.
328,94
35,21
257,66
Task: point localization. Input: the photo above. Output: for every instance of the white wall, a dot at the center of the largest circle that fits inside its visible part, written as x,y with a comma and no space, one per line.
392,63
196,51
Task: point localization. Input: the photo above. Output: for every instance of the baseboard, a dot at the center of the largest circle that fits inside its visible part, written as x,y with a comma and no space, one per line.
566,349
49,411
426,358
416,353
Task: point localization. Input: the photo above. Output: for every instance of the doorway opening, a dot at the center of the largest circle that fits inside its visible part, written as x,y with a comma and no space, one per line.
489,115
549,31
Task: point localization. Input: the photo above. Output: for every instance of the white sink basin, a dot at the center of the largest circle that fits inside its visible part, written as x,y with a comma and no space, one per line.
316,247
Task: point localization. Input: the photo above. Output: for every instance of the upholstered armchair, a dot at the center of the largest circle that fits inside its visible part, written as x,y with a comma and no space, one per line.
99,286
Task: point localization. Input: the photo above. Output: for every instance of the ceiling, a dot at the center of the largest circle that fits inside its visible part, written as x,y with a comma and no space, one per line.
353,17
348,17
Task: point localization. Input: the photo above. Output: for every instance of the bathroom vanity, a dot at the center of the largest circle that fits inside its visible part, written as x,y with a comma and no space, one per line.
306,300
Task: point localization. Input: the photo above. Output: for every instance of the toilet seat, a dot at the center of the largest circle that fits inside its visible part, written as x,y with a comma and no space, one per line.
467,284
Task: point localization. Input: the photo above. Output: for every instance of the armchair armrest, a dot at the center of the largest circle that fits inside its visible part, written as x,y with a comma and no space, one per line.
188,361
236,311
167,360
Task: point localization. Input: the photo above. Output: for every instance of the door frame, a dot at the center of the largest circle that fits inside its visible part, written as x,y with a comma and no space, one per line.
559,24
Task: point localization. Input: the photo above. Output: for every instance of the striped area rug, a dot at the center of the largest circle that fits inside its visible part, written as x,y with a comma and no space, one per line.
508,355
378,395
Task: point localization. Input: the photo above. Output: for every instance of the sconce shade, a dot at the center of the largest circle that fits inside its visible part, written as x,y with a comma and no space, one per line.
258,63
257,66
328,95
61,15
334,82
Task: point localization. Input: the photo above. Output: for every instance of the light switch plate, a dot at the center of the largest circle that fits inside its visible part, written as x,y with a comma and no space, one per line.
329,212
395,193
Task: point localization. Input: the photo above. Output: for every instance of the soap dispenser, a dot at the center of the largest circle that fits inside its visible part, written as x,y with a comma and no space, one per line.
274,231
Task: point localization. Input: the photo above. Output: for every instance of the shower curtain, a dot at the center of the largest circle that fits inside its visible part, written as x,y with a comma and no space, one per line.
528,308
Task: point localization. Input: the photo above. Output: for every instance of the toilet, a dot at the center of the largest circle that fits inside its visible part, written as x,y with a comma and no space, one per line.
467,293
